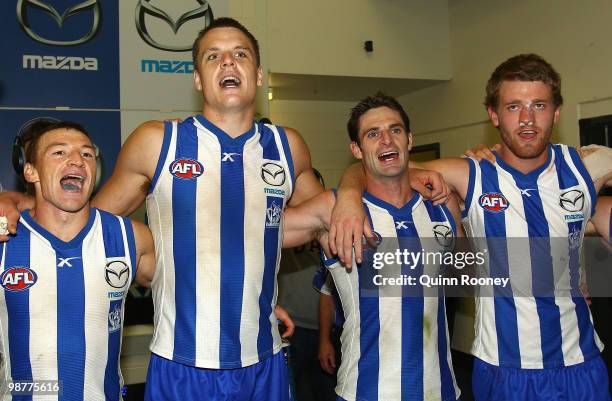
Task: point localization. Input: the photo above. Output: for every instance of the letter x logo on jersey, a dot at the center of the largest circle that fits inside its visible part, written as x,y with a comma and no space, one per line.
228,156
401,225
66,261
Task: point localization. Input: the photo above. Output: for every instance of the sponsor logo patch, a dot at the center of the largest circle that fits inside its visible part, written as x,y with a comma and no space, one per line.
574,217
186,169
114,319
273,174
493,202
117,273
18,278
444,235
274,192
572,201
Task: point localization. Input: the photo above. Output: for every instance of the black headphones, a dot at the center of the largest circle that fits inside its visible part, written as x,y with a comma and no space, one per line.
19,155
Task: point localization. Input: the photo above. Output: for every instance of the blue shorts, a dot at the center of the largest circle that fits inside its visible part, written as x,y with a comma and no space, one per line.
587,381
171,381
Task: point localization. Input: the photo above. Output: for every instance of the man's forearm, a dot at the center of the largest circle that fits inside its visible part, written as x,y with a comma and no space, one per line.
21,201
353,180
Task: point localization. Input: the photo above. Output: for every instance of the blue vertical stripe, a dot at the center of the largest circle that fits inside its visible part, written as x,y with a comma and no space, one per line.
287,149
264,337
369,323
113,247
447,385
71,344
184,249
586,331
505,310
17,254
232,258
585,175
412,315
470,189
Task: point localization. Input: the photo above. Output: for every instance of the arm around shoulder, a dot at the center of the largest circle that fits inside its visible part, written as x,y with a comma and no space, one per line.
127,188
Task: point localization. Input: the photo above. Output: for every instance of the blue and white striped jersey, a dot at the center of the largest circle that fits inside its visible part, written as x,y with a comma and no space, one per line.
395,346
61,309
215,209
538,322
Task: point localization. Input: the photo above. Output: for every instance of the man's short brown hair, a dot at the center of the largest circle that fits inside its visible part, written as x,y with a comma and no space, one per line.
524,67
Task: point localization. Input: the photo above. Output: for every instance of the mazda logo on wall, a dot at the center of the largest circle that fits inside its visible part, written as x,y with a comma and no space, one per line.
24,23
144,7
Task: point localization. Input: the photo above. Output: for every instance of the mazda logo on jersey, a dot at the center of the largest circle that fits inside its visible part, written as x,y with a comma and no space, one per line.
18,278
444,235
493,202
144,7
23,7
117,273
273,174
186,169
572,201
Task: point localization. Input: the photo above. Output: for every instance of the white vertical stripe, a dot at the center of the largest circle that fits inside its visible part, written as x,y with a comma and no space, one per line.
347,285
43,310
519,266
255,205
96,311
431,359
208,251
159,208
5,365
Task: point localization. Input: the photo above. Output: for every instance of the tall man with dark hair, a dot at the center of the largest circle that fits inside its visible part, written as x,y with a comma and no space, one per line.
66,274
395,342
530,344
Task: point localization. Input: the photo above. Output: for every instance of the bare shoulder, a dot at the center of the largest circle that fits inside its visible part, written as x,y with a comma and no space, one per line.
142,235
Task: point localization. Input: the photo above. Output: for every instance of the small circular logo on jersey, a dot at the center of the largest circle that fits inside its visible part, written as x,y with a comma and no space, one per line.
186,169
273,174
444,235
18,278
572,201
493,202
117,273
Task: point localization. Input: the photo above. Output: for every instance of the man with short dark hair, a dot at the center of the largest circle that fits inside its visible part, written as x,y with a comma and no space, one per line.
65,276
395,344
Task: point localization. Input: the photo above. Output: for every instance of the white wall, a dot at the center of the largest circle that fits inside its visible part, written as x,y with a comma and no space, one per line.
321,37
573,36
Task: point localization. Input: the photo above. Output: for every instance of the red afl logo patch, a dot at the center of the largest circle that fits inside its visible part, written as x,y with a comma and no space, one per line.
493,202
18,278
186,169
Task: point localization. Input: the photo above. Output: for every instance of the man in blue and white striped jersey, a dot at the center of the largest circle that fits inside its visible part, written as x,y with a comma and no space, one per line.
65,276
395,343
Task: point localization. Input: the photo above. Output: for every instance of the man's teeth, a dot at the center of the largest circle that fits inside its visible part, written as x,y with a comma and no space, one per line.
230,82
72,182
387,155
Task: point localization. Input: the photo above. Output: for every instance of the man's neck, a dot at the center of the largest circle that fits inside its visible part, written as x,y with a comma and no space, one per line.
64,225
525,166
396,191
232,122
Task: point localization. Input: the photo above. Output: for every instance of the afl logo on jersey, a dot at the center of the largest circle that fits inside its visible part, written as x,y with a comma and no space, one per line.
117,273
18,278
186,169
273,174
493,202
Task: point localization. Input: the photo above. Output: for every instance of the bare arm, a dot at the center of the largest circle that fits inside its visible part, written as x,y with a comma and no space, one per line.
145,250
305,222
601,220
598,161
11,204
306,183
127,188
327,353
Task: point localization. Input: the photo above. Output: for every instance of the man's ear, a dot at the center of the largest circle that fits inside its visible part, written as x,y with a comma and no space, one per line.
197,83
409,141
356,150
259,76
557,113
30,173
493,116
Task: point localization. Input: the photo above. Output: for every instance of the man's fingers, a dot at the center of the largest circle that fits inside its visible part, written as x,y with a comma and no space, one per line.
331,240
357,239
